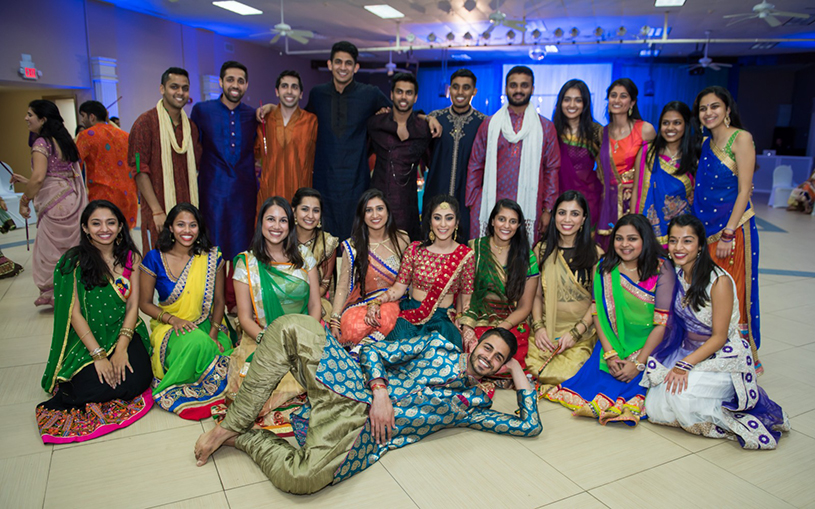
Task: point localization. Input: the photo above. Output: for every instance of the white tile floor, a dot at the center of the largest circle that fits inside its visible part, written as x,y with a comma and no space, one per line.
573,463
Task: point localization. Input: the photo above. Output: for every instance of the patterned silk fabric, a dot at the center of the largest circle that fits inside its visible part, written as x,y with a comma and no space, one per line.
430,390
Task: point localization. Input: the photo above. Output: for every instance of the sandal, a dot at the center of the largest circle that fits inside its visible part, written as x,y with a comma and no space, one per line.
13,272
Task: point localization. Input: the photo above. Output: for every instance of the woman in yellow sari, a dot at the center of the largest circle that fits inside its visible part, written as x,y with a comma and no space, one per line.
561,312
276,277
189,340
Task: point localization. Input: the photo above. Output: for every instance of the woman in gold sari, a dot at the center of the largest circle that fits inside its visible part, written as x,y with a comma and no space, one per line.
275,278
307,205
561,312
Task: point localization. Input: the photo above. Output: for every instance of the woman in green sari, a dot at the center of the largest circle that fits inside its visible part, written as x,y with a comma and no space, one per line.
506,277
189,338
276,277
98,370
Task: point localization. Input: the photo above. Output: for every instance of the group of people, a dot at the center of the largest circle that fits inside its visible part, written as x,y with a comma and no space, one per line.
539,255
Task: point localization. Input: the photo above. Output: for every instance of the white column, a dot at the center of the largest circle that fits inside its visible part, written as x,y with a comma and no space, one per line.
210,88
105,83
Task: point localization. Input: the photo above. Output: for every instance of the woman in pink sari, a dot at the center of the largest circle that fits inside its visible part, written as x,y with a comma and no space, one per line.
57,190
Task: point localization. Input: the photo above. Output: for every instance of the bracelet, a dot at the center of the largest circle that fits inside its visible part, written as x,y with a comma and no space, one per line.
99,354
378,386
537,325
575,335
727,237
375,302
127,332
82,336
684,366
158,213
160,315
260,336
336,316
679,371
24,199
608,355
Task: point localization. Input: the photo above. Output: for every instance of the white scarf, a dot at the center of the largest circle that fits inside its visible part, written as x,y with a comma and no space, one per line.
167,137
531,134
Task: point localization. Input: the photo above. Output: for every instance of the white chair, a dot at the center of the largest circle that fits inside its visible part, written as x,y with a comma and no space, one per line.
782,186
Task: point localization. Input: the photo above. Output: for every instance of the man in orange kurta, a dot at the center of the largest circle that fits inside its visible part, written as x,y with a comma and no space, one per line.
286,142
103,150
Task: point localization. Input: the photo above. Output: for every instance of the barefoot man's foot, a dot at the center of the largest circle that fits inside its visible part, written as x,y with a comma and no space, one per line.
210,441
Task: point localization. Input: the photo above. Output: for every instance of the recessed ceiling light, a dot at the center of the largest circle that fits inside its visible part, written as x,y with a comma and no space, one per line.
650,52
384,11
237,7
461,56
669,3
551,48
657,32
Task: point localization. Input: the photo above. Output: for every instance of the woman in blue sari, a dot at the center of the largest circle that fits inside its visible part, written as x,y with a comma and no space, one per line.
663,187
633,288
724,181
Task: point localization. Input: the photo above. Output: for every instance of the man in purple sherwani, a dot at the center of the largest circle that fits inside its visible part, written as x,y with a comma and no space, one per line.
515,155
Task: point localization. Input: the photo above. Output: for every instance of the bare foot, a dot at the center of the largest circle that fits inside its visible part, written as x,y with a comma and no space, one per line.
210,441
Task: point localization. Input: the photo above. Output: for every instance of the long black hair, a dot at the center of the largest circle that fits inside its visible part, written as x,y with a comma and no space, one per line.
54,129
428,212
723,94
648,261
697,295
309,192
518,255
586,127
290,242
688,147
166,239
95,272
360,235
585,252
633,92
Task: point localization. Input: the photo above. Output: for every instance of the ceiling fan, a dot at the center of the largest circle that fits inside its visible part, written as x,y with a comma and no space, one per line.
706,62
498,18
765,11
283,29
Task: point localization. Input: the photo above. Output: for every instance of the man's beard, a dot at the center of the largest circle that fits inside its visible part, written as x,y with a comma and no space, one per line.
522,102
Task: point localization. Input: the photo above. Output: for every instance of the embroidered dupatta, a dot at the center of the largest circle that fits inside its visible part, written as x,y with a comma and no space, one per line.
377,269
660,194
441,285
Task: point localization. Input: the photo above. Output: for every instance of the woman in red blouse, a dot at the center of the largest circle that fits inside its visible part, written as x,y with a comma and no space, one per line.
439,273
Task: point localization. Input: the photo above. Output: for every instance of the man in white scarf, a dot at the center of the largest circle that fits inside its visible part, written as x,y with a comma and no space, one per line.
515,155
163,153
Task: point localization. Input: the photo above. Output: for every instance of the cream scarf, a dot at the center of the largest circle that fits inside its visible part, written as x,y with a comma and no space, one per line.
531,134
167,137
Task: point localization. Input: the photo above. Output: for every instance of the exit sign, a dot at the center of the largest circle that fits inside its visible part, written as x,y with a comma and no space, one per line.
29,73
28,70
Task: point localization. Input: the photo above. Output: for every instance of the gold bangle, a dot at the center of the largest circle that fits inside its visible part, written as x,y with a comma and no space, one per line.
608,355
82,336
99,354
160,315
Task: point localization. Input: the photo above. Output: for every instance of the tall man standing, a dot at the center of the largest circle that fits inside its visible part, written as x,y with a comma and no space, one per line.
451,152
286,142
103,150
163,154
515,156
400,141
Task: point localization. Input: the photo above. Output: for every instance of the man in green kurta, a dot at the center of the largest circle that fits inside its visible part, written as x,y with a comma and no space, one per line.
399,393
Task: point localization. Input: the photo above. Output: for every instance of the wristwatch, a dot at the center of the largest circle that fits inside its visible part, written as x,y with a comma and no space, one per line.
640,365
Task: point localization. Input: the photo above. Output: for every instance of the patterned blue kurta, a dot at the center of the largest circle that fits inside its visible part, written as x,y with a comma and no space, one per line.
430,390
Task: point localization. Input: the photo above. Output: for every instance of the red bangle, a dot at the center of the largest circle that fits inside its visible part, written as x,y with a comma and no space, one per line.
378,386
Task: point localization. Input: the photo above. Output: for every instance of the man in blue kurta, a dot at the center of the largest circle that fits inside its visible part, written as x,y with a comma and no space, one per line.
227,182
399,393
451,151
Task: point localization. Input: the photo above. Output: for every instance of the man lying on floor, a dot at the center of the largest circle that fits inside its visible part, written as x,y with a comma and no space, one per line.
399,393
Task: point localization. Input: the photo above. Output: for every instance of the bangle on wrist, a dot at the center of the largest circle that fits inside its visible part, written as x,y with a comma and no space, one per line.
378,385
608,355
160,213
82,336
98,354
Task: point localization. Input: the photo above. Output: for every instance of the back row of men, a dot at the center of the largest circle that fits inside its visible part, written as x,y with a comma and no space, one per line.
225,161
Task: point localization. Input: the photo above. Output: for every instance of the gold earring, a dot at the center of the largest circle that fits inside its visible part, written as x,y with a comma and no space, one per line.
320,224
455,233
727,121
630,111
295,221
119,239
432,236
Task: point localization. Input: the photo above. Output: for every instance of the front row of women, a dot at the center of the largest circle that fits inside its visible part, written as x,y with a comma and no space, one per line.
673,331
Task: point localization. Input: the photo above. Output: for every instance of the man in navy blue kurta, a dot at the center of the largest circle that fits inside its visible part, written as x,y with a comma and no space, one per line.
227,183
343,107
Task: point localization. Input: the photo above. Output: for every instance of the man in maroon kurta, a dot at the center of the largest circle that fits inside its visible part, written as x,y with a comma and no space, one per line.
144,155
520,86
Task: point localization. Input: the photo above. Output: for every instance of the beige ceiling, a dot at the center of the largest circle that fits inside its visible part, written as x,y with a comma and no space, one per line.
334,20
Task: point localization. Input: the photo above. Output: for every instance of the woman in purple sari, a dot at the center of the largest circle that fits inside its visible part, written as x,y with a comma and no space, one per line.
724,181
57,190
663,187
702,377
579,137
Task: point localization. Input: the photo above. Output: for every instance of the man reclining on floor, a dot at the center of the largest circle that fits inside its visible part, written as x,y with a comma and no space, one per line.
399,393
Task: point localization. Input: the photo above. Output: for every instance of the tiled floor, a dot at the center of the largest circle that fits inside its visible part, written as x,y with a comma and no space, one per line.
574,463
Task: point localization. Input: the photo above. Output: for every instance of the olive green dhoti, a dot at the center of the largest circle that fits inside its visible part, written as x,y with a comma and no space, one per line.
295,343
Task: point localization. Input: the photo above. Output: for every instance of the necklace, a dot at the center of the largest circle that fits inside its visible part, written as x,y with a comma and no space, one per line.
617,141
626,268
373,246
673,157
498,248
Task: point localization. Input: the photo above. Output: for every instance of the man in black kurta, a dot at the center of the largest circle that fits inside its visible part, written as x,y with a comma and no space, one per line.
399,141
343,107
451,151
